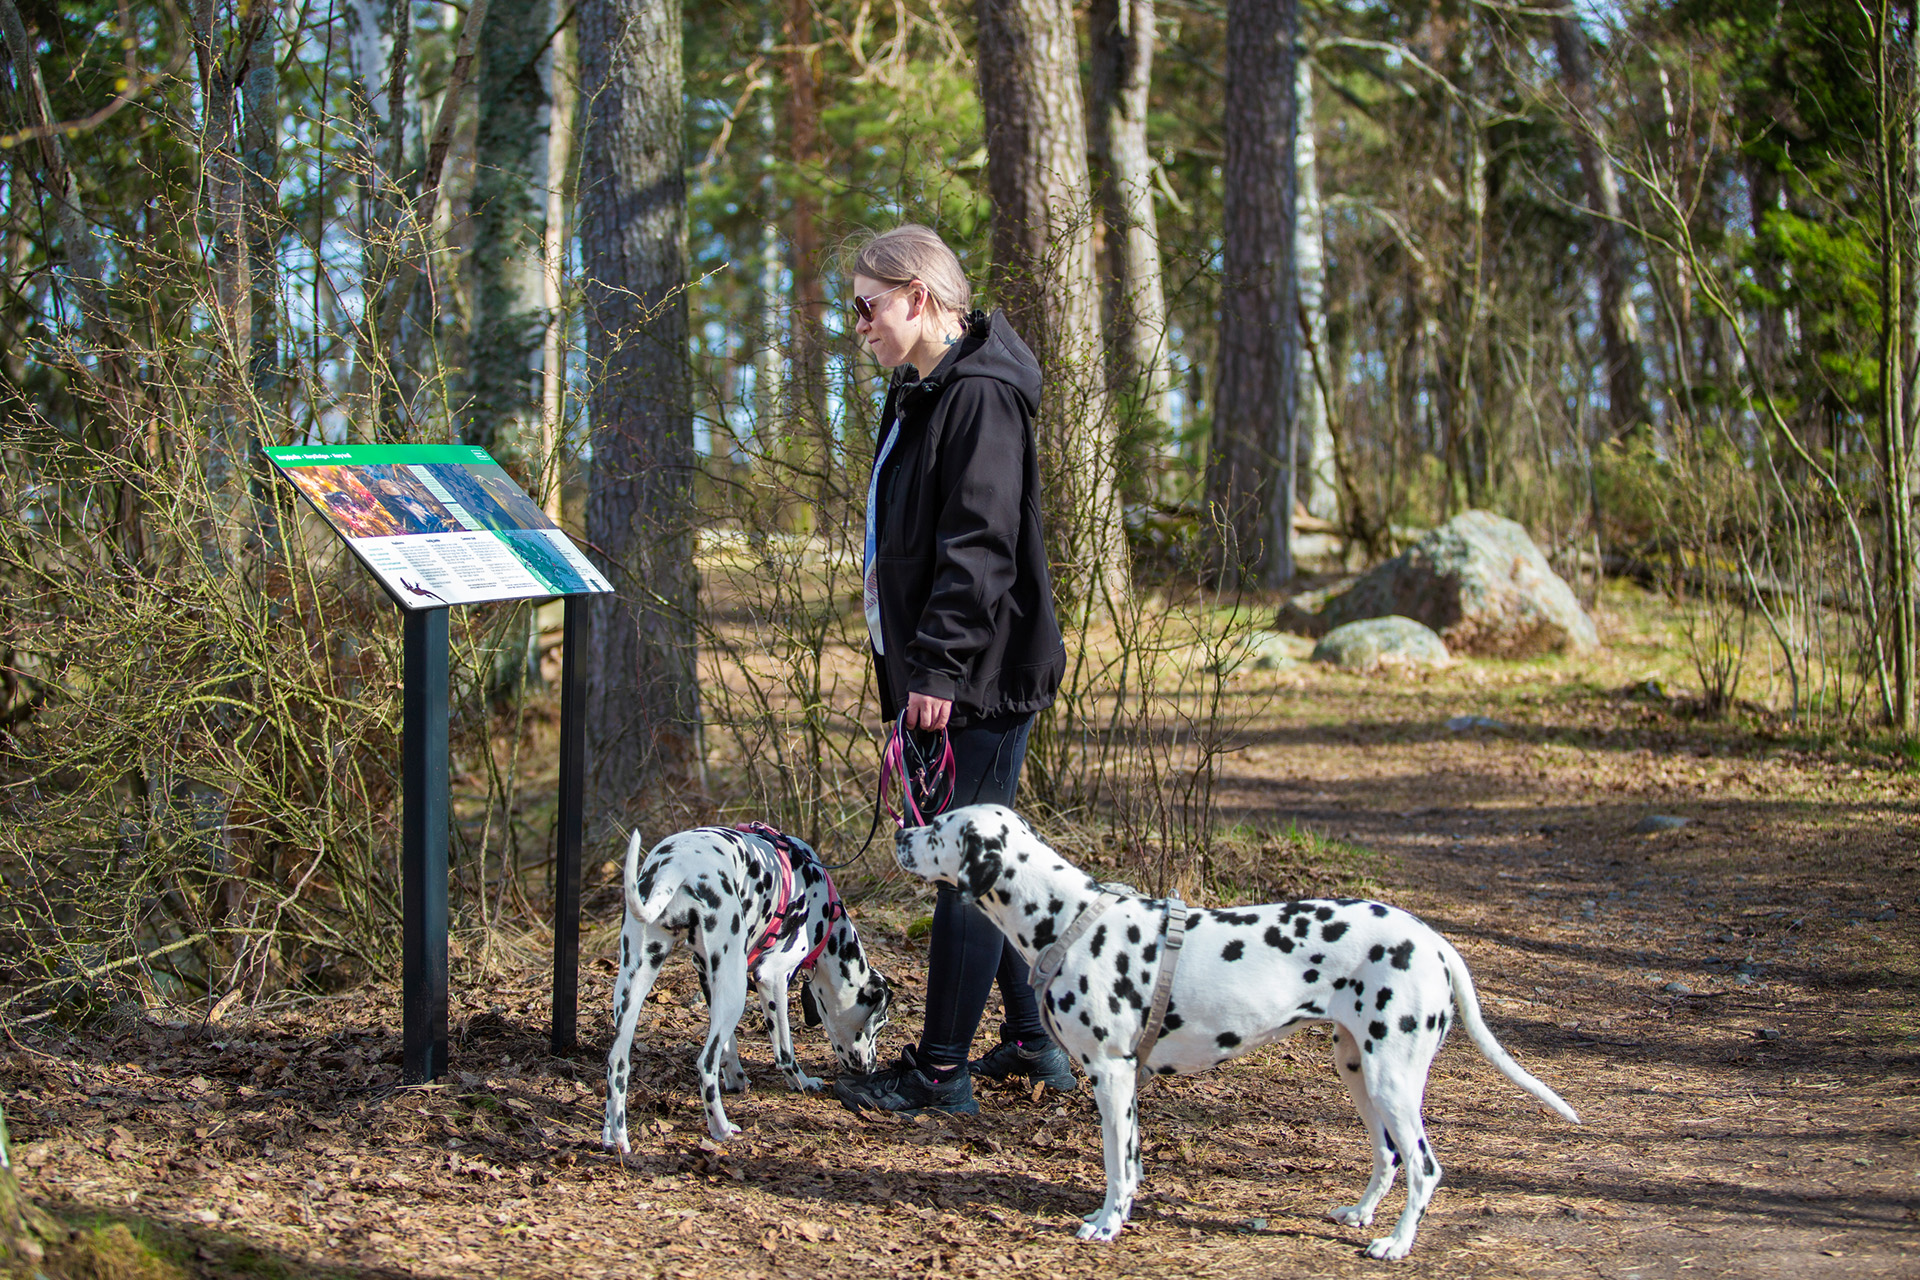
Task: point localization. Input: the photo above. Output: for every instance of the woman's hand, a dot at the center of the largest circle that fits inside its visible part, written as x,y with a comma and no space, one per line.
928,713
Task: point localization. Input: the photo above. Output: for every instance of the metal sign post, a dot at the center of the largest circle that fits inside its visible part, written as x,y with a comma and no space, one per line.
423,848
441,525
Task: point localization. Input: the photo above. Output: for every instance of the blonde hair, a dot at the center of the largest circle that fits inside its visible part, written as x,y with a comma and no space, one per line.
913,252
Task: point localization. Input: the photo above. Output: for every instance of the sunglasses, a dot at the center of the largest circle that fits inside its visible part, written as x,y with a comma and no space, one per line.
863,307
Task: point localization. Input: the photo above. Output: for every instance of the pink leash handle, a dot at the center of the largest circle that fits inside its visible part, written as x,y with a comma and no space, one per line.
893,762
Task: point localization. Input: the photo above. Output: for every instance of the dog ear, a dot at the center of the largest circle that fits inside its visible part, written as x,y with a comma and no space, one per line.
808,1005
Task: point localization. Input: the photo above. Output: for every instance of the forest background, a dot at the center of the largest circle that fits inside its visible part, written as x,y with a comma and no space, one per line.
1637,276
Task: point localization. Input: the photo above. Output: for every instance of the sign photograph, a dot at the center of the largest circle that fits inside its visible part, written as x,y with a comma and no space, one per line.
439,524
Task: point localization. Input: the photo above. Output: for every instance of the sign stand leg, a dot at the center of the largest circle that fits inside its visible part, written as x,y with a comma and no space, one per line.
566,875
423,848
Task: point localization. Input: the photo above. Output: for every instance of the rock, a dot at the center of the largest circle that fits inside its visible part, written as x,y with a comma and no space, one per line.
1768,1033
1374,641
1481,583
1460,724
1677,989
1658,822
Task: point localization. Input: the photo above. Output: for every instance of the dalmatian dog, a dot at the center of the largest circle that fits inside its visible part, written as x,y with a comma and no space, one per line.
755,908
1242,977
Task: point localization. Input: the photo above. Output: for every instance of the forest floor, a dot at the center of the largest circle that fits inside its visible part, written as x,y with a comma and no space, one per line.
1730,1005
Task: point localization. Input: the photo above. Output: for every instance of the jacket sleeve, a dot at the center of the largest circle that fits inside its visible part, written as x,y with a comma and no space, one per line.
980,483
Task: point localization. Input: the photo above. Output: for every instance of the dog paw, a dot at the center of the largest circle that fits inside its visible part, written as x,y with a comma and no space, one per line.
808,1084
1389,1249
721,1130
1349,1216
1101,1225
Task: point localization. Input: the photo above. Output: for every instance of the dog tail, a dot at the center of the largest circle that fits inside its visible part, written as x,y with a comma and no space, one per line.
1469,1004
659,891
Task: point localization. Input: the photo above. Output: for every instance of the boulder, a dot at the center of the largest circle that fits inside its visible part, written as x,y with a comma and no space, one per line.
1481,583
1374,641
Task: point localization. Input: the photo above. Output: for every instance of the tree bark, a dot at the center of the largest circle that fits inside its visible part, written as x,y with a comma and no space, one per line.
1043,270
1136,305
1250,477
643,728
1619,329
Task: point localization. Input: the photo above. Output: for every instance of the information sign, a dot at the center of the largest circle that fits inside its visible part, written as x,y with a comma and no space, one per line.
442,525
438,524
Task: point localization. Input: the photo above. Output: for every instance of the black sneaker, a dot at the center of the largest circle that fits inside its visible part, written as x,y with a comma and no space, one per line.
907,1089
1043,1060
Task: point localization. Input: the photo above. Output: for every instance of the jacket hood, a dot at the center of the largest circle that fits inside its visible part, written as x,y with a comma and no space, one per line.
990,349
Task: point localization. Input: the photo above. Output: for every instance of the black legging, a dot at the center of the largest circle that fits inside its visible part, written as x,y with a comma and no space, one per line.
965,953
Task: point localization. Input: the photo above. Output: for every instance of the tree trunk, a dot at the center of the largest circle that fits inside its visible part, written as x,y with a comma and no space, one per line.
1318,483
803,430
505,315
1044,272
1136,305
1619,329
643,727
1250,475
550,476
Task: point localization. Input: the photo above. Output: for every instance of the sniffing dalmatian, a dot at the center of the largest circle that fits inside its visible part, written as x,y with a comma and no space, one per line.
1242,977
755,907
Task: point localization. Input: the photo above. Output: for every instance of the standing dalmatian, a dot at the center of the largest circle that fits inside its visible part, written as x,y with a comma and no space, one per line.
1133,985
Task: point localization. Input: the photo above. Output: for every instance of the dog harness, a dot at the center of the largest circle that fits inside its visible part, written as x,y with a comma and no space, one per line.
1046,965
785,849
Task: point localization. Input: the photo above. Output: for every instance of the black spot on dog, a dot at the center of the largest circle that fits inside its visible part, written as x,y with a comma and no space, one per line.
1427,1165
1124,988
713,922
1409,1023
1380,1000
1165,1071
1234,917
1277,939
1066,1002
1402,955
1338,983
1083,984
1133,934
1377,908
1085,1020
1099,941
1378,1030
1443,1020
1332,932
1120,962
1310,1007
1324,913
1148,952
1302,926
1233,950
733,926
1100,1034
1429,1022
1043,933
1227,1040
1367,1045
705,893
1376,953
1312,975
1173,1022
1317,958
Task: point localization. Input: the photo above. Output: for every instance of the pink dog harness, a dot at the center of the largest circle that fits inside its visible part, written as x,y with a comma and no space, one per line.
784,848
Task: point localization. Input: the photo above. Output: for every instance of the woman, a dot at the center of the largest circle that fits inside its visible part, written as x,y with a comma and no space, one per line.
960,611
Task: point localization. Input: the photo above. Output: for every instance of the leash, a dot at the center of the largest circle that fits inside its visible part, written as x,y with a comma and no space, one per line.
930,773
1046,965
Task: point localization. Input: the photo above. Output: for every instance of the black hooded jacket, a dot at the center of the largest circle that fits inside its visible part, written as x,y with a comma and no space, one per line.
966,599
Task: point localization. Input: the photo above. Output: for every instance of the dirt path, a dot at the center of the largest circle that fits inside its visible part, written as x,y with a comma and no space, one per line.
1730,1005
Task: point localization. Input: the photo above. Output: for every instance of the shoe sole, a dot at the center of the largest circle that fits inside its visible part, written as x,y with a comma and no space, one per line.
971,1107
